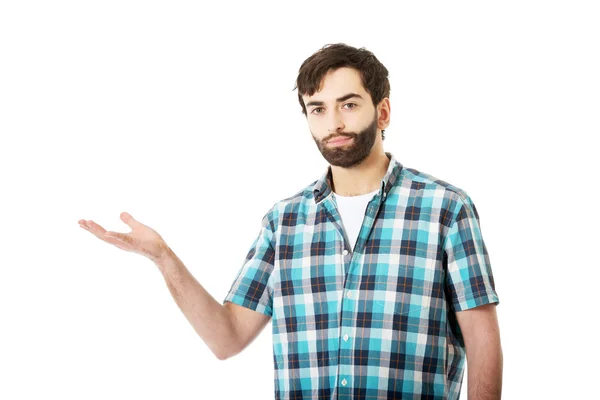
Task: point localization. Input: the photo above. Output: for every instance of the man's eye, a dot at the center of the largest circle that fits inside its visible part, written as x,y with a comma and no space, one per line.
317,110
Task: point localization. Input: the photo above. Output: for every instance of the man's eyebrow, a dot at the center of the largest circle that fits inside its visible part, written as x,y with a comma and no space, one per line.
338,100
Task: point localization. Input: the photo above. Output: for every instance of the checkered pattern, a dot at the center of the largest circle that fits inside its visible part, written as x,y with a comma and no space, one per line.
377,321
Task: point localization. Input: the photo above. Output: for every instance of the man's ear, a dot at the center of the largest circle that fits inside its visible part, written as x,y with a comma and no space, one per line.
383,113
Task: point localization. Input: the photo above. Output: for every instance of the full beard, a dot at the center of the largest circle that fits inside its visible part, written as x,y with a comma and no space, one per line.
347,156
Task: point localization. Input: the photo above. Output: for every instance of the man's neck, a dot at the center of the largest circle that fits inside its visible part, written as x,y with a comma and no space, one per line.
363,178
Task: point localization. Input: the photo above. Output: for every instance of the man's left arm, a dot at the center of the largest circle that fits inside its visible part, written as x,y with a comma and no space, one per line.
481,334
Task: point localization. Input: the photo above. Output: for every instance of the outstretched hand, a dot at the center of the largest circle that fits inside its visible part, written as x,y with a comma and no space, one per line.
142,239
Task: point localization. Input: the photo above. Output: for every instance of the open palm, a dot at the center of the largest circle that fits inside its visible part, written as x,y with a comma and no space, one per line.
142,239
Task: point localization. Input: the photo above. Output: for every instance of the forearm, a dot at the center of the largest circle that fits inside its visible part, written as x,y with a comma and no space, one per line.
210,319
484,366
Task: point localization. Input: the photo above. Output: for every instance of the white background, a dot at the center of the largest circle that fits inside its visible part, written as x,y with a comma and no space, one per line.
184,116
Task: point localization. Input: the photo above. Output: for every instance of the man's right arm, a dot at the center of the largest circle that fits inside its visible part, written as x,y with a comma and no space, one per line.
225,330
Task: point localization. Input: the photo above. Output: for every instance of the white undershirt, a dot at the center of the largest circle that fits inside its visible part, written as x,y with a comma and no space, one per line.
352,212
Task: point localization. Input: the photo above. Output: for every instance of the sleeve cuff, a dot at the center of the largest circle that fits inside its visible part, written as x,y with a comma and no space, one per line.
473,300
244,302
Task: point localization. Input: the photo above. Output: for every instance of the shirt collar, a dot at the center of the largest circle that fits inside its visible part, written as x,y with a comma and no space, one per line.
322,187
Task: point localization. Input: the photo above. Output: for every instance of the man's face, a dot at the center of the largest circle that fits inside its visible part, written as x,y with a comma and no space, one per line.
342,109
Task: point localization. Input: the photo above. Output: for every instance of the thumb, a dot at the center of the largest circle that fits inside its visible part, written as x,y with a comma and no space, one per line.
129,220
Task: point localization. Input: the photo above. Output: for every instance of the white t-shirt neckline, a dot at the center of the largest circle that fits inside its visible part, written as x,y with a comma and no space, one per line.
352,212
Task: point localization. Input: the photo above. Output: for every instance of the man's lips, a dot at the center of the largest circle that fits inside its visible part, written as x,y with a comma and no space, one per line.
340,140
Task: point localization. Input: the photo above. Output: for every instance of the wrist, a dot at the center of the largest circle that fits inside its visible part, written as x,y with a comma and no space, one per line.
165,256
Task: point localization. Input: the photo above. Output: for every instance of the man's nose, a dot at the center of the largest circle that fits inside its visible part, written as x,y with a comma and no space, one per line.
335,122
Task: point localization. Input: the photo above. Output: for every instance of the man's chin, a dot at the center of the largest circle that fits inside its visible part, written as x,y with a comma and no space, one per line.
341,160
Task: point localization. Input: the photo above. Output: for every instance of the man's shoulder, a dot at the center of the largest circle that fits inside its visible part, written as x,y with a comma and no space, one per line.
411,178
297,202
418,179
301,196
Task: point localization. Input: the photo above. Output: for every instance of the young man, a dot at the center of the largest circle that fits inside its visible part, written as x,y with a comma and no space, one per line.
375,276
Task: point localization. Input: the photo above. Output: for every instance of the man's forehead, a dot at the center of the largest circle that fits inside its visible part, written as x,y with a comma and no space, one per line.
336,84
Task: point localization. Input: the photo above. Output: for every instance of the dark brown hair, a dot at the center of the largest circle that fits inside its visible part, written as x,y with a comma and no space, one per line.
373,74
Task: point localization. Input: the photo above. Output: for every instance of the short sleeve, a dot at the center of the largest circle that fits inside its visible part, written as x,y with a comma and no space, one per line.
469,279
252,287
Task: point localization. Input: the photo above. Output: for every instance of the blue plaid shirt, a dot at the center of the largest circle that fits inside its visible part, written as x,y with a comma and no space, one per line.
376,321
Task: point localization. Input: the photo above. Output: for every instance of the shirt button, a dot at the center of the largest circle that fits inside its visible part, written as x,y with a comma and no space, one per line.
349,293
346,337
345,252
344,383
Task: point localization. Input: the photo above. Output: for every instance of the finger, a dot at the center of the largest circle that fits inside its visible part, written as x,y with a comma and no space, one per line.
92,227
129,220
99,232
